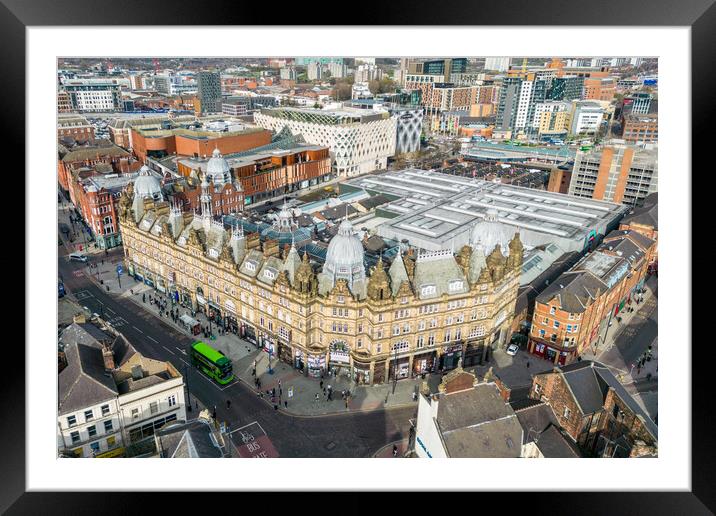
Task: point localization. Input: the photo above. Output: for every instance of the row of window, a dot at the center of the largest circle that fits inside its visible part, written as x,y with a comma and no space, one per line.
88,415
91,431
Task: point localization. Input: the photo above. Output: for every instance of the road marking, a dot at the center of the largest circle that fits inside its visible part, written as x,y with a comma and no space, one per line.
156,342
169,350
180,350
111,311
241,428
82,294
140,331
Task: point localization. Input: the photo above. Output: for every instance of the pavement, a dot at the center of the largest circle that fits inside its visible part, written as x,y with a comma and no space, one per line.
627,340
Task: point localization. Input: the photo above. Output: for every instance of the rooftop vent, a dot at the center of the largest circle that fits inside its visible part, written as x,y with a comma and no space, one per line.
137,373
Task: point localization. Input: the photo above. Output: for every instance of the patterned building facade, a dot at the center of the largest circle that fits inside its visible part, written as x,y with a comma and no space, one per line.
422,313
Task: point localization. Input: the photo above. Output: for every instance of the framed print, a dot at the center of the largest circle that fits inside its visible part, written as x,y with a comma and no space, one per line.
333,241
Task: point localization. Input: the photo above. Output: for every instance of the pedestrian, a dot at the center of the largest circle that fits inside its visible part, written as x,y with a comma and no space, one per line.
528,364
324,391
228,404
144,298
214,412
395,450
285,404
253,372
259,380
316,396
280,392
321,384
346,404
273,391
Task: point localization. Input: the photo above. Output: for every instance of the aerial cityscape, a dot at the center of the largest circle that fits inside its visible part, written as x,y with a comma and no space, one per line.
351,257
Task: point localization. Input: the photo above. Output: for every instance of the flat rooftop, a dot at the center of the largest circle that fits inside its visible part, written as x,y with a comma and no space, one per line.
438,210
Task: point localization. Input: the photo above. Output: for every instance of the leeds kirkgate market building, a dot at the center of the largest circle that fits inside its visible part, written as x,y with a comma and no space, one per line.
423,312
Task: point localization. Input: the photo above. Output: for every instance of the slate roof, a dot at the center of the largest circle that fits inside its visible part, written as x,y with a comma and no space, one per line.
535,419
478,423
440,273
374,201
589,383
646,215
83,382
555,445
574,290
192,439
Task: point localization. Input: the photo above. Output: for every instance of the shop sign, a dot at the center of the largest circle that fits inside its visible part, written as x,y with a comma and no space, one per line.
111,453
340,356
316,361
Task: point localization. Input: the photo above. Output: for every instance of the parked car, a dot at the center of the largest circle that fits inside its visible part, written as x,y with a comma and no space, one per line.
512,349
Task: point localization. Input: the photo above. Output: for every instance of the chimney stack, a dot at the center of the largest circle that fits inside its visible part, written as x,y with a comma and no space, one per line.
108,357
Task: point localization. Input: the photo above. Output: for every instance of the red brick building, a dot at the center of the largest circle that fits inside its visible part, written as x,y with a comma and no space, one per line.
75,127
595,410
119,160
572,314
268,173
158,143
637,129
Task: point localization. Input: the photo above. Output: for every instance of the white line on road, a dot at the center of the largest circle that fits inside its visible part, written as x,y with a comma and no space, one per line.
169,350
156,342
140,331
180,350
252,423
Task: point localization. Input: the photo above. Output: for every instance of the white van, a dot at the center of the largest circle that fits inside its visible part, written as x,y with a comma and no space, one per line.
78,257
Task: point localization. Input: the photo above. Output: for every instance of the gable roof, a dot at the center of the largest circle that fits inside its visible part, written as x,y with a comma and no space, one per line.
574,290
589,383
192,439
477,422
83,383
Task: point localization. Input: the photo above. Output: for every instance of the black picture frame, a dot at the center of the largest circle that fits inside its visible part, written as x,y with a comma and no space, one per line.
700,15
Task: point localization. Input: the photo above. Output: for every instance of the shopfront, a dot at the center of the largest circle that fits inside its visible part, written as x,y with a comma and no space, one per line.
399,368
267,343
201,300
149,279
215,313
248,332
474,350
230,322
361,372
298,361
285,352
379,372
316,365
161,286
450,357
340,358
185,299
423,363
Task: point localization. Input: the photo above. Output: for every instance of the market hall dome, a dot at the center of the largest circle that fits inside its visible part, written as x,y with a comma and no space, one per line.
488,233
147,185
218,169
344,257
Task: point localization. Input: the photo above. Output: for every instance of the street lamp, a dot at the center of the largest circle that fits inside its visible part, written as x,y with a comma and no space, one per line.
188,393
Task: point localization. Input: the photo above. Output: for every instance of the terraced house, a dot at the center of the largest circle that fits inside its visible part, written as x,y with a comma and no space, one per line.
422,312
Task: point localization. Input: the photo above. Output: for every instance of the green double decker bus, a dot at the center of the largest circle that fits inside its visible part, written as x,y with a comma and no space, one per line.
212,362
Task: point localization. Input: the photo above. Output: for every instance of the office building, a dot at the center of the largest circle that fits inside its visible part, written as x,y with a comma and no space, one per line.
93,96
586,118
640,129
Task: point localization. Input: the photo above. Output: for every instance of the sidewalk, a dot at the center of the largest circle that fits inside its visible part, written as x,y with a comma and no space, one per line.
628,374
387,451
243,354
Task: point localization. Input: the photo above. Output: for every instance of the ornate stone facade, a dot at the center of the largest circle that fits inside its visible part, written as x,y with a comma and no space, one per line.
423,312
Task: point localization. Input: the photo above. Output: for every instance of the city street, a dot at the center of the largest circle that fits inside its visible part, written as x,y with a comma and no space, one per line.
351,434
